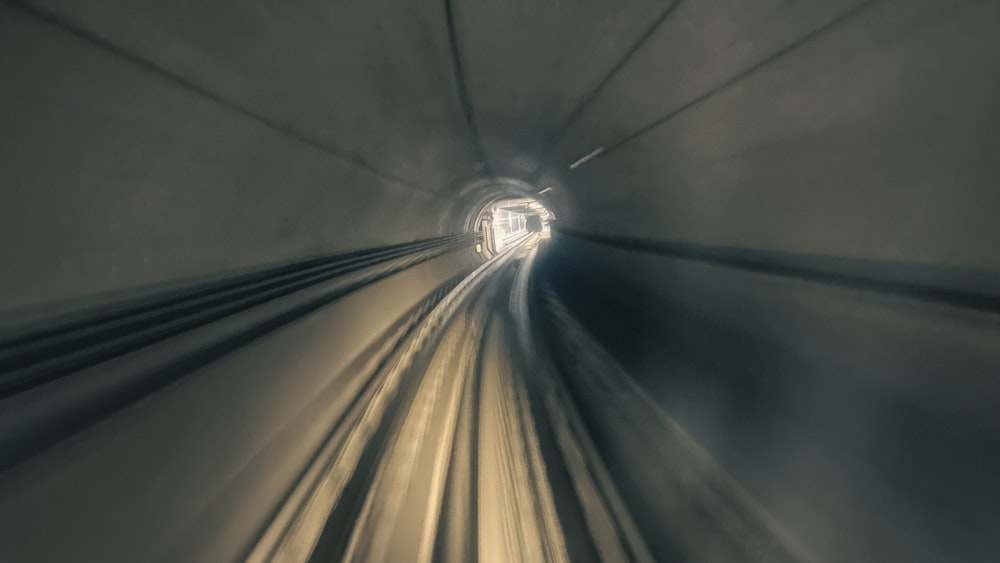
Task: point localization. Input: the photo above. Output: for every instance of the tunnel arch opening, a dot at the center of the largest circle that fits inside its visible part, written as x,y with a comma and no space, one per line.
505,222
504,211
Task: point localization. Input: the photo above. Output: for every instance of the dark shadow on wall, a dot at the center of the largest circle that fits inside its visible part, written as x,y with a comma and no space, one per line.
843,446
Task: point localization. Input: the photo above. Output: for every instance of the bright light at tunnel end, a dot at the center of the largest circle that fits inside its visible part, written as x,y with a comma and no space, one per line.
507,221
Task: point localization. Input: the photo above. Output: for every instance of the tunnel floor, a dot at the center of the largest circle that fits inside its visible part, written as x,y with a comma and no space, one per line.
483,423
466,443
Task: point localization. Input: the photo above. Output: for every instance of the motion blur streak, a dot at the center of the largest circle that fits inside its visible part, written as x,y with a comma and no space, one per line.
521,280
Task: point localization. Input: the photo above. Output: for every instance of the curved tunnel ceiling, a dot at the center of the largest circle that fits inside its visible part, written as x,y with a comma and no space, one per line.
810,184
795,127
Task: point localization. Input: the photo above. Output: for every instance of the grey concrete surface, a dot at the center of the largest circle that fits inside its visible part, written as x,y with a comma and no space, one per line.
146,143
873,140
143,180
372,80
530,64
865,423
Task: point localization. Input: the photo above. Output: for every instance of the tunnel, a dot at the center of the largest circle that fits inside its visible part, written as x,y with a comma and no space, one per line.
500,280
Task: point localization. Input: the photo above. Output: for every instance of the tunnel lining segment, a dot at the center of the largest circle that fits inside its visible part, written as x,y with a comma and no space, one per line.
284,130
809,37
591,94
966,289
464,98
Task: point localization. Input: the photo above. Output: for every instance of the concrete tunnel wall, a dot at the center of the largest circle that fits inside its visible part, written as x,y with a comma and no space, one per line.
148,143
197,140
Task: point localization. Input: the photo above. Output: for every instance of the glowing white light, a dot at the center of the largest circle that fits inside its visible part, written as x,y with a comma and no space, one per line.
583,159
